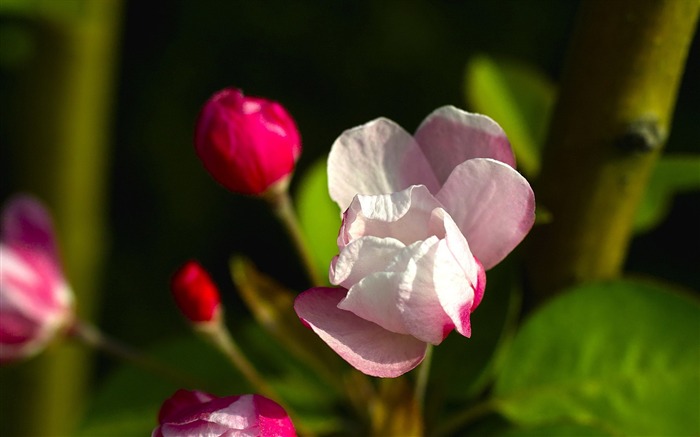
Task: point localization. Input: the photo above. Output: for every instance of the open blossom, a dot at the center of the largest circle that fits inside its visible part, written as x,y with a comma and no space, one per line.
195,413
424,217
248,144
35,300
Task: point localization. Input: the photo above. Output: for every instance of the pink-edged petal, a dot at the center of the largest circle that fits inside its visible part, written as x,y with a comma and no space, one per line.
181,403
376,158
362,257
480,286
457,275
201,414
26,223
450,136
403,215
493,206
32,285
35,301
273,421
199,428
366,346
403,298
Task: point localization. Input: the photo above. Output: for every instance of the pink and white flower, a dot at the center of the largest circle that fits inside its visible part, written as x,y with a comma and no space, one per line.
35,300
195,413
424,217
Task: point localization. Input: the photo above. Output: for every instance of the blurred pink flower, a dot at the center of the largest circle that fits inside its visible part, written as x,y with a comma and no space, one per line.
195,413
424,216
248,144
195,293
35,300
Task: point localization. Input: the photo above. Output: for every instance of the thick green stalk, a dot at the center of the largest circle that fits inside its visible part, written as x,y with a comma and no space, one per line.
61,111
610,124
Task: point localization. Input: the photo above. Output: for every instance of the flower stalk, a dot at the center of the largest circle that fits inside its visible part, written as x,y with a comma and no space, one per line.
281,204
218,335
422,378
66,90
93,337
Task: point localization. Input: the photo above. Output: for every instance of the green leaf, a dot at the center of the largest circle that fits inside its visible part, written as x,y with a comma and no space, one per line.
672,175
319,216
557,429
519,97
621,356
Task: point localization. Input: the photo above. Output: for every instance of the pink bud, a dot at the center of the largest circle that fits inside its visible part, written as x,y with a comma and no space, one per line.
190,413
246,143
35,300
195,293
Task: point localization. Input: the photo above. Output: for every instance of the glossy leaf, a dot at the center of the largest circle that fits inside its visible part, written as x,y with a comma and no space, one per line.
621,356
519,98
319,216
673,174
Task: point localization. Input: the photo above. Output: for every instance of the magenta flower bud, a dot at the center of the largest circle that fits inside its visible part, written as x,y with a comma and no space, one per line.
35,300
195,413
247,144
195,293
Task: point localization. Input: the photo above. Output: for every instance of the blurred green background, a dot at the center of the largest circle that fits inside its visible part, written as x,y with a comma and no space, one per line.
333,64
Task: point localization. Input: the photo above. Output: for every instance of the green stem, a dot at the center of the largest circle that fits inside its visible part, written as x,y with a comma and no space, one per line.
59,131
609,126
422,379
217,333
93,337
281,204
220,337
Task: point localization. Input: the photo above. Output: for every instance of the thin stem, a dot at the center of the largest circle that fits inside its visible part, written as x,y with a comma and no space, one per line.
92,336
450,426
68,84
281,204
220,336
422,379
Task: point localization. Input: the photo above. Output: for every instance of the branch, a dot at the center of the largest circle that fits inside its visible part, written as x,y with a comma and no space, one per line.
610,124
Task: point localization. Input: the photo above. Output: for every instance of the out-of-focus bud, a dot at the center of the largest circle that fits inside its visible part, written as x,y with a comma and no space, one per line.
248,144
196,294
190,413
35,300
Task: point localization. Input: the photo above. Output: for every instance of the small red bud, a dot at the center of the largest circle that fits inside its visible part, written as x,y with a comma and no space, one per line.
247,144
195,293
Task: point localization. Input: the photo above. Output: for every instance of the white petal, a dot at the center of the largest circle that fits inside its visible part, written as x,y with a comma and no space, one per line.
403,215
403,299
363,257
376,158
450,136
366,346
492,204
